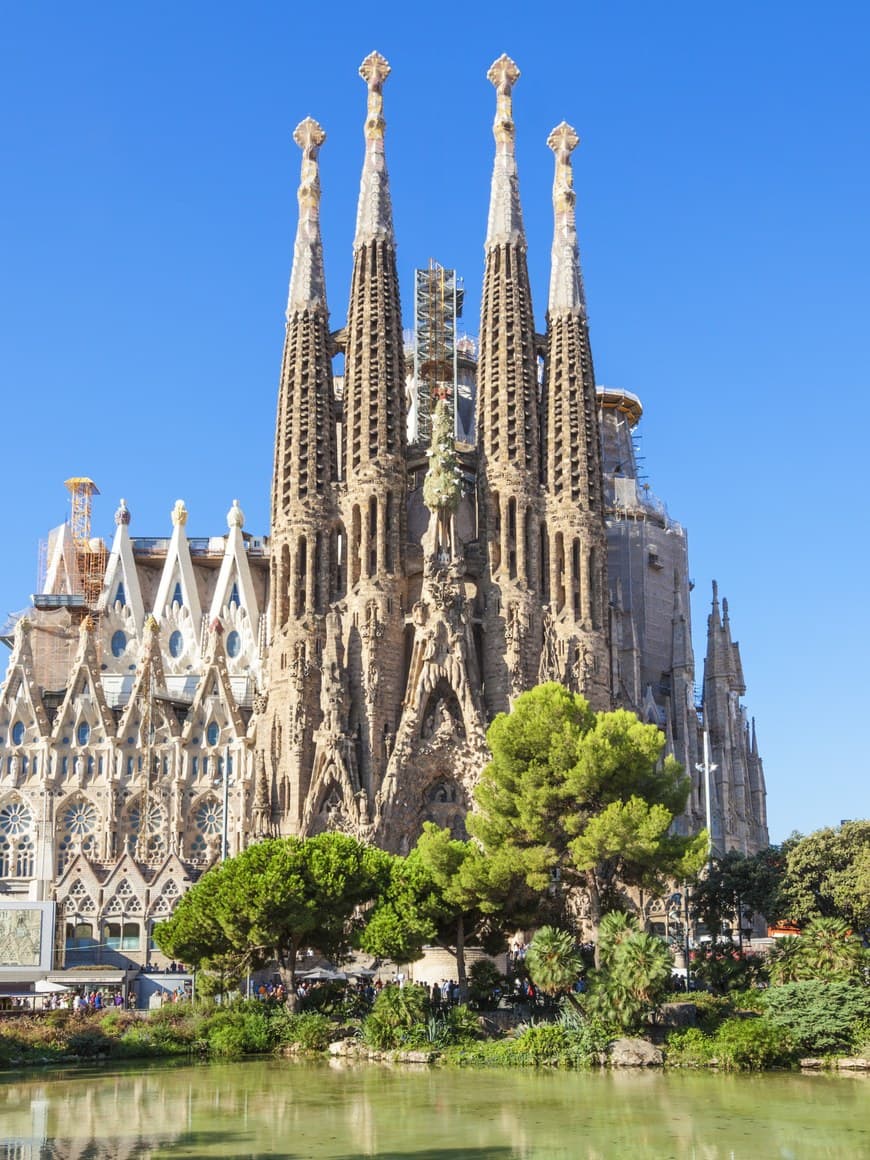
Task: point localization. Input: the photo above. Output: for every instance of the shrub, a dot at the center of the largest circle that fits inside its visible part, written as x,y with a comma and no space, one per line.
820,1017
722,968
485,981
394,1013
752,1044
239,1031
689,1048
634,976
308,1030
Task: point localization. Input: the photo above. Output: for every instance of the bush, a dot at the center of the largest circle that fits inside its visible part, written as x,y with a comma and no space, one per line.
394,1012
689,1048
752,1044
239,1031
820,1017
722,968
308,1030
485,984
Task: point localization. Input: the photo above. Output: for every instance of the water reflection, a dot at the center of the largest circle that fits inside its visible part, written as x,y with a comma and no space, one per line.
301,1110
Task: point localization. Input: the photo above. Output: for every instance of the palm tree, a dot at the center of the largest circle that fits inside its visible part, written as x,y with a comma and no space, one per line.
553,960
831,950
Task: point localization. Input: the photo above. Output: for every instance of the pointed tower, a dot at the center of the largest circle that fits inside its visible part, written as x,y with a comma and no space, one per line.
373,464
508,427
574,541
306,552
739,779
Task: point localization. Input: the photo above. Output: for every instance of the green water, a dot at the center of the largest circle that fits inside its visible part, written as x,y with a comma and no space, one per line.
305,1110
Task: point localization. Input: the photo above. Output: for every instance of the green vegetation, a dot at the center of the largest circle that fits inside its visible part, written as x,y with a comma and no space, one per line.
827,875
571,799
274,899
553,960
633,976
585,797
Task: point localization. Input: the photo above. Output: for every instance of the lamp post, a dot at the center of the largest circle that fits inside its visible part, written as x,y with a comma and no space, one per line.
706,767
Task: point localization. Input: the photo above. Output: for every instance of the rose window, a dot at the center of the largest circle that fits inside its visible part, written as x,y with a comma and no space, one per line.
15,819
210,817
80,818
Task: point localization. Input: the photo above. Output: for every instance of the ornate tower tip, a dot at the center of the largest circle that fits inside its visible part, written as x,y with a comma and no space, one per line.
503,72
374,70
563,139
308,134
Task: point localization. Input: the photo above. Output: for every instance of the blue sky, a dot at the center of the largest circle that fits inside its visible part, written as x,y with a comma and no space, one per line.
147,214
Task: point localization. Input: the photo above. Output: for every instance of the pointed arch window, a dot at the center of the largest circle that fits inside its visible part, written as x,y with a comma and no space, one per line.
121,595
235,599
18,733
178,595
176,644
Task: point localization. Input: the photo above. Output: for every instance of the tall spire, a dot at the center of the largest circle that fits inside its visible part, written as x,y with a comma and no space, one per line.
507,371
505,215
566,282
575,535
374,390
572,441
374,216
305,439
307,281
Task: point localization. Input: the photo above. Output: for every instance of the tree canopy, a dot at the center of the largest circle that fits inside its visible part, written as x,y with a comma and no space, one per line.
587,794
737,886
444,892
827,875
272,900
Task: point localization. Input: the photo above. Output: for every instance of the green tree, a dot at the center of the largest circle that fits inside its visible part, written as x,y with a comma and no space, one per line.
444,892
586,794
274,899
553,960
634,972
736,887
827,875
826,950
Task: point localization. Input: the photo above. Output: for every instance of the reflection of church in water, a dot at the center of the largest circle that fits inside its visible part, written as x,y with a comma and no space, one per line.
168,698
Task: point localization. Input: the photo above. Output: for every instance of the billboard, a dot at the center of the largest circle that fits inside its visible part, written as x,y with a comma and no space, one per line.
26,936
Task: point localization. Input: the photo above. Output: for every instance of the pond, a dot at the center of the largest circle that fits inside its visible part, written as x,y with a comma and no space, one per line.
287,1108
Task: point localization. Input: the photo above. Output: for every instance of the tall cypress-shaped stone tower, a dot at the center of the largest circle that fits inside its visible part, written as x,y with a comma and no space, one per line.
576,649
509,435
304,560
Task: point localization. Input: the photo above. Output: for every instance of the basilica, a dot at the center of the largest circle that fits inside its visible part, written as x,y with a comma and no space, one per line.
454,520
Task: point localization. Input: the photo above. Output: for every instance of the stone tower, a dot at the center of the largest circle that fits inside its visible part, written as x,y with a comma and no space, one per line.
576,648
509,430
306,537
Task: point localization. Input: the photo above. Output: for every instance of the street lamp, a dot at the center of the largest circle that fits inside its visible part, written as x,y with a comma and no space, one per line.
707,768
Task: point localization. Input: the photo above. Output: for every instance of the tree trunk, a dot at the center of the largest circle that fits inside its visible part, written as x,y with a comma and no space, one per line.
461,977
288,969
594,910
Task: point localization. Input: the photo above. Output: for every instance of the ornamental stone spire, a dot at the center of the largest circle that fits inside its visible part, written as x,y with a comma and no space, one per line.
374,390
374,218
505,215
307,281
508,428
305,440
566,282
574,544
507,369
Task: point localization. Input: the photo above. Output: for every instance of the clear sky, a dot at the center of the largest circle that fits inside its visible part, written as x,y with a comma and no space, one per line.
147,215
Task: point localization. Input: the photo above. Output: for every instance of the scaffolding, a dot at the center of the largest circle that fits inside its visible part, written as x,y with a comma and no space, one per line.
91,554
438,299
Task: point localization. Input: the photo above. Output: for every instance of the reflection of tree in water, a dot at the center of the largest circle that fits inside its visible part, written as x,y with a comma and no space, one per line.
293,1108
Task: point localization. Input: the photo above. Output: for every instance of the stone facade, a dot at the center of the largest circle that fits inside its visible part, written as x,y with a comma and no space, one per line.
201,694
